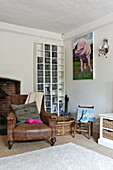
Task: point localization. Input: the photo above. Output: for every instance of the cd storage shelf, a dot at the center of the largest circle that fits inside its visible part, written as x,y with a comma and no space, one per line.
106,130
50,75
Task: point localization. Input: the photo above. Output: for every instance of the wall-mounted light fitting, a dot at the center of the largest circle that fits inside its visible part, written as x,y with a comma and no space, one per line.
104,48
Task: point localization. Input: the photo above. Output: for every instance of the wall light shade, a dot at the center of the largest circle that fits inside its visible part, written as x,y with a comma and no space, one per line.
103,50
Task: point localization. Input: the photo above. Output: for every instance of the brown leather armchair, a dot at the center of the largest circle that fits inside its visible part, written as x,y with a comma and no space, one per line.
24,132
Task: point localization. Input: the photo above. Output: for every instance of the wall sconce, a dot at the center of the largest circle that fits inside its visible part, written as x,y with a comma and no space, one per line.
104,48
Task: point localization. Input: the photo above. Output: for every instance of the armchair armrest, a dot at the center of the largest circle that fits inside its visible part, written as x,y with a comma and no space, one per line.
48,118
11,116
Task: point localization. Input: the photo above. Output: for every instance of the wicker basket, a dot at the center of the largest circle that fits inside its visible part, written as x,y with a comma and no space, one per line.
107,134
65,125
108,123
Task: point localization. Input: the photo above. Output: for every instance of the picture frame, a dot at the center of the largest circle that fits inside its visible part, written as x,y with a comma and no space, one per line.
83,57
86,114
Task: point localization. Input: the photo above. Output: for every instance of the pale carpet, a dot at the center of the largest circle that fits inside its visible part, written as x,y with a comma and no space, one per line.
63,157
21,147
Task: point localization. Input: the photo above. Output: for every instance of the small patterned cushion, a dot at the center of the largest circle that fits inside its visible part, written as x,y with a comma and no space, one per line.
25,111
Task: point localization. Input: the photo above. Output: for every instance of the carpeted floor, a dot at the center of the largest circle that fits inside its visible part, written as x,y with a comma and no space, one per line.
21,147
66,156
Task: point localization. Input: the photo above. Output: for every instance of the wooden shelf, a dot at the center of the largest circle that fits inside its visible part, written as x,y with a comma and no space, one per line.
106,130
50,66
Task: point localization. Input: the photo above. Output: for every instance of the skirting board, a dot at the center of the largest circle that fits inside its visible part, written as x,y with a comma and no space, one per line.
106,142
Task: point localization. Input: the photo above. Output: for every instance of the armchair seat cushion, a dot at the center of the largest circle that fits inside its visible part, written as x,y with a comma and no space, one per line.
31,131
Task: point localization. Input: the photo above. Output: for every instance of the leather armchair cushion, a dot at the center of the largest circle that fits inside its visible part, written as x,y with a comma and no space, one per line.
31,131
24,112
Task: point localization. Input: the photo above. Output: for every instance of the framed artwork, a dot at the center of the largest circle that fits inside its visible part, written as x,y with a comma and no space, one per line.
86,114
83,58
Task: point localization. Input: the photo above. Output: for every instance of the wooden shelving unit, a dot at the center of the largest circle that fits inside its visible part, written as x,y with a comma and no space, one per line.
50,75
106,130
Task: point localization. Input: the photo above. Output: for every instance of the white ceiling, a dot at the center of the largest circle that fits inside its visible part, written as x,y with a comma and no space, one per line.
60,16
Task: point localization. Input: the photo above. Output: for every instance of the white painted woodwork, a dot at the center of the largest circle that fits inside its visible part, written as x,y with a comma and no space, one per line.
104,140
49,74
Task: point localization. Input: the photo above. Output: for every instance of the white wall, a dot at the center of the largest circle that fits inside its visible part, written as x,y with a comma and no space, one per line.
16,62
97,92
16,55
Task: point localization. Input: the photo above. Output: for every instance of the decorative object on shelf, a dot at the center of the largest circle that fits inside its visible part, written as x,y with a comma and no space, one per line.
61,108
104,48
54,108
47,89
83,57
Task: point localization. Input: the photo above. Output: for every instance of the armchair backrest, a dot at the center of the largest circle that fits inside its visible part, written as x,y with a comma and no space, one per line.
18,99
